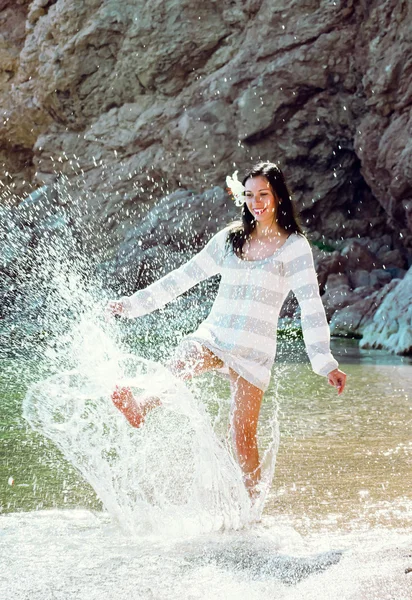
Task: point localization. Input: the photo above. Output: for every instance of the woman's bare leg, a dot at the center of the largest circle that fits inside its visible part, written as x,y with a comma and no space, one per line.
189,360
134,411
246,402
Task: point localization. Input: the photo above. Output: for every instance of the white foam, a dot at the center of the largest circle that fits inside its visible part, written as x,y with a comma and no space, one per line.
173,474
79,555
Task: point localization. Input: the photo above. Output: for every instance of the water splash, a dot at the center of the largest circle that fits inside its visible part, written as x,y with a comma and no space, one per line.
172,475
176,474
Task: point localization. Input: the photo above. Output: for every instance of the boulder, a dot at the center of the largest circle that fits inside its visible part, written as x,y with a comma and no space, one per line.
360,278
327,264
357,257
379,277
392,258
353,319
391,325
170,233
336,299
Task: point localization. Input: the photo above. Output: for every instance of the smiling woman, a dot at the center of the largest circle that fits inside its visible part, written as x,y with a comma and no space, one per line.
260,259
268,215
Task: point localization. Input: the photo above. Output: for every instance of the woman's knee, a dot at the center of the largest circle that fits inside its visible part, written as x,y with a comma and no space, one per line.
191,358
185,360
178,368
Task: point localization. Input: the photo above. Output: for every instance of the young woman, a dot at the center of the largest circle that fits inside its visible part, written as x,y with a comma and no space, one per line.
260,259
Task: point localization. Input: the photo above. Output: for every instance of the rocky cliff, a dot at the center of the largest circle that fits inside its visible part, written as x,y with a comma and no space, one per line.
134,100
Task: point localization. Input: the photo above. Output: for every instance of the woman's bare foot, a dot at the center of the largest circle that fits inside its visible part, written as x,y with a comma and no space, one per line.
123,399
134,411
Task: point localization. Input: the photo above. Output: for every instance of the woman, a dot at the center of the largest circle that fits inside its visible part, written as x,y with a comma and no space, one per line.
261,258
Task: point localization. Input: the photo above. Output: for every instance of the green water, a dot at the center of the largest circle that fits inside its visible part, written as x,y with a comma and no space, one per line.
42,477
341,459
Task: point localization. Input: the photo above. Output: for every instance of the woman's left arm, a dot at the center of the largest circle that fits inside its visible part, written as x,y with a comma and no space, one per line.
302,280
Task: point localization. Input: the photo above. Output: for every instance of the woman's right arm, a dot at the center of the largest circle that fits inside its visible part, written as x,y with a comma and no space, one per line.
203,265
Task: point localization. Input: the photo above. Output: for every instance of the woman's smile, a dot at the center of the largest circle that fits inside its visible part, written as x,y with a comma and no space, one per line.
260,200
259,211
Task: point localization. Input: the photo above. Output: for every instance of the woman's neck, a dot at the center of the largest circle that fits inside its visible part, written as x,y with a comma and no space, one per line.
267,231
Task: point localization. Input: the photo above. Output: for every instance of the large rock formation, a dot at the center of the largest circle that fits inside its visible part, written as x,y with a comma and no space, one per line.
134,100
138,98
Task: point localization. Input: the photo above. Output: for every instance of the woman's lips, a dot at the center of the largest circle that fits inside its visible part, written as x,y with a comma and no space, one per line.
259,211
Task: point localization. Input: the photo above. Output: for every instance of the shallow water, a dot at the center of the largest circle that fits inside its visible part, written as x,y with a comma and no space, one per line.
348,460
337,522
79,554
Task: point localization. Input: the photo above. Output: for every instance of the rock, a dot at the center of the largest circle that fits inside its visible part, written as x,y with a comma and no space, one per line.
336,299
391,325
36,207
328,264
134,103
336,280
353,319
22,119
383,140
14,241
356,257
37,9
55,226
108,94
407,206
387,139
392,258
373,245
396,273
379,277
359,278
363,291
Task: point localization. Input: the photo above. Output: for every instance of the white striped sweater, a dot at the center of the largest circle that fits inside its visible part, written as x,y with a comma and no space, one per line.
241,328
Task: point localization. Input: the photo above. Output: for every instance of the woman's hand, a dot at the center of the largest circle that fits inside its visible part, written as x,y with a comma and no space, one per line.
337,378
113,308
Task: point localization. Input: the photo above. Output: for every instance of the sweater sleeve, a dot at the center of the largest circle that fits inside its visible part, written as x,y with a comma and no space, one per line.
302,280
204,264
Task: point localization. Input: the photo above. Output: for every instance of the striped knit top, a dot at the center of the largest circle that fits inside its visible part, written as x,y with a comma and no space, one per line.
242,325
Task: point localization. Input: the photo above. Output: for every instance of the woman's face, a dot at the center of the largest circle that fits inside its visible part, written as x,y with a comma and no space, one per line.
260,200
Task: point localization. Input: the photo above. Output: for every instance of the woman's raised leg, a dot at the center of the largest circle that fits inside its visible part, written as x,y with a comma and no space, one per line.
246,402
134,410
190,359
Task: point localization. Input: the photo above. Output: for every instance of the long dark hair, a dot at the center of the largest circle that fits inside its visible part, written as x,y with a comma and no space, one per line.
286,213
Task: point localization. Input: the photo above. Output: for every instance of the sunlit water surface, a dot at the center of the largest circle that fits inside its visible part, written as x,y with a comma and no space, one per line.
92,506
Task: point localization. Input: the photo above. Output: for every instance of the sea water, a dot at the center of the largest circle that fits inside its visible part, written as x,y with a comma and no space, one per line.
177,521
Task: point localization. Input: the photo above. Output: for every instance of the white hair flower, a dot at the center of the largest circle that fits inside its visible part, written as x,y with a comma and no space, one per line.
236,188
